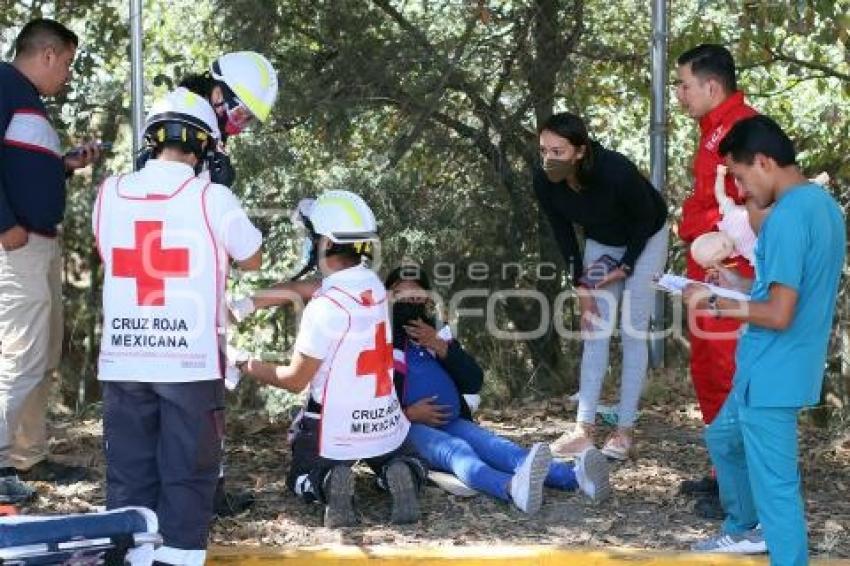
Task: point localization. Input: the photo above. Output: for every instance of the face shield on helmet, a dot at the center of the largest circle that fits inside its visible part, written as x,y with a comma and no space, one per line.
249,85
306,236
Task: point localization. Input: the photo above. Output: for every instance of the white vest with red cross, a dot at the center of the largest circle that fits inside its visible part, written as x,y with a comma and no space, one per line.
162,282
361,414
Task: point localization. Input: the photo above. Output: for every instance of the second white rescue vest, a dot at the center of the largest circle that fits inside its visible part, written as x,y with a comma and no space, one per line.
361,413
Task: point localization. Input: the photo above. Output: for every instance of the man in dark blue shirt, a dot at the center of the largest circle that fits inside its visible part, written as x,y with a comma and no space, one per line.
32,202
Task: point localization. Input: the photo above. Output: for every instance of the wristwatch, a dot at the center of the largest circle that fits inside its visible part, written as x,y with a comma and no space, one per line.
626,268
712,306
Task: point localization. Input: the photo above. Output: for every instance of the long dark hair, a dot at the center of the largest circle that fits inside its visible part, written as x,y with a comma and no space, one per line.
573,129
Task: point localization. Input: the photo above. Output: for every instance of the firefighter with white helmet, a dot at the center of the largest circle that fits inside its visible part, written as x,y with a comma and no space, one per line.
343,353
241,87
165,236
249,88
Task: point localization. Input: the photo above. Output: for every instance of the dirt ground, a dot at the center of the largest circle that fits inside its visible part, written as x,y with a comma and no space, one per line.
644,512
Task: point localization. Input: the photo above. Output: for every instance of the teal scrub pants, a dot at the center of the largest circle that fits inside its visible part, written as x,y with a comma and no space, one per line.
754,450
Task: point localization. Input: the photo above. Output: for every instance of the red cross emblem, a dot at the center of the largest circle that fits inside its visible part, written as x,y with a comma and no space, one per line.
378,362
149,263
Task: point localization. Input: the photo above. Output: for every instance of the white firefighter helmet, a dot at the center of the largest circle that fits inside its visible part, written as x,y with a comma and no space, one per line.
183,107
251,78
344,218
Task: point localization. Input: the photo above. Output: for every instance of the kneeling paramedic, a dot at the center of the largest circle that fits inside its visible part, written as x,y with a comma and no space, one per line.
343,351
165,237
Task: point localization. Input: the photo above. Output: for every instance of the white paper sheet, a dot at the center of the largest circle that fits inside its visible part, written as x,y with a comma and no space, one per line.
675,284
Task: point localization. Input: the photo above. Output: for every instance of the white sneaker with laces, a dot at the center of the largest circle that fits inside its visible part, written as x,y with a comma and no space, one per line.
527,484
748,542
592,474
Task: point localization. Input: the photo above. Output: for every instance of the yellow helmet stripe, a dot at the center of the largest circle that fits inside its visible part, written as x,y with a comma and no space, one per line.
257,107
265,79
346,206
190,98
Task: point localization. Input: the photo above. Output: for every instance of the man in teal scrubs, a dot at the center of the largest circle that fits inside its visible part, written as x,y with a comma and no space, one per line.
781,356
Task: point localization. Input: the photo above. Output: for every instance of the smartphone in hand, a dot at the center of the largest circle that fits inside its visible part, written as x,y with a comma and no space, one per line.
596,271
101,146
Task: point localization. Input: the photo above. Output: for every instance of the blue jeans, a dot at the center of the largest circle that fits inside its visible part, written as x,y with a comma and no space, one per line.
479,458
755,452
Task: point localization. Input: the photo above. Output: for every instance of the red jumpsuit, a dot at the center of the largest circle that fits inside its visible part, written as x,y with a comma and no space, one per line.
712,360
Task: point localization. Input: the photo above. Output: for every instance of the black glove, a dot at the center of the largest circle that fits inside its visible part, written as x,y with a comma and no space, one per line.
221,170
143,156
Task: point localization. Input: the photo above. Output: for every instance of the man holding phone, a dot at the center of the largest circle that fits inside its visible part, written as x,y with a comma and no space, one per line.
32,203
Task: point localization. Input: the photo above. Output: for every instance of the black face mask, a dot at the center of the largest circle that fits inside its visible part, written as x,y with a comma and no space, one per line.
404,312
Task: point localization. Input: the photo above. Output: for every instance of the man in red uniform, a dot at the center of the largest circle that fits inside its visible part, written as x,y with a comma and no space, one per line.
707,90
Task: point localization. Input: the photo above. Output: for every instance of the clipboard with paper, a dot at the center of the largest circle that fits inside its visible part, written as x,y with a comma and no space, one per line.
675,284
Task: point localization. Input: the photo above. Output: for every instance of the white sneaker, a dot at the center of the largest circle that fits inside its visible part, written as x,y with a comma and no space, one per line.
748,542
592,474
527,483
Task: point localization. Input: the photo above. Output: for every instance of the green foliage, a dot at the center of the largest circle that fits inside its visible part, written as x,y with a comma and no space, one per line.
428,108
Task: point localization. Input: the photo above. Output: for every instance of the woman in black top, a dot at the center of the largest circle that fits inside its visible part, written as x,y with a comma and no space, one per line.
625,243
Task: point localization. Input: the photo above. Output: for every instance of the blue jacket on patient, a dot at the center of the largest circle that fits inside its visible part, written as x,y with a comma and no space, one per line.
419,374
426,377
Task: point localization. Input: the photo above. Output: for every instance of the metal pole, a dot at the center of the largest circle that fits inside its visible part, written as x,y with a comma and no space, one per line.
137,78
658,152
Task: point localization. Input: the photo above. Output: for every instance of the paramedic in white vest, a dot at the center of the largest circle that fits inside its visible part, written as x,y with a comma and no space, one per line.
343,352
166,237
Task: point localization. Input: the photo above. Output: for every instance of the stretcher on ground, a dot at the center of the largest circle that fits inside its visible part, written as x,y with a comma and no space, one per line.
109,537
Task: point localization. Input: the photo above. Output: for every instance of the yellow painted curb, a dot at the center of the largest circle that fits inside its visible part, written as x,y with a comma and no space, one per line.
475,556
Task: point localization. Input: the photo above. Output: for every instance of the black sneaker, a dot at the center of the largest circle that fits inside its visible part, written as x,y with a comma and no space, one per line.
55,472
338,491
230,503
403,490
12,489
709,507
704,486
